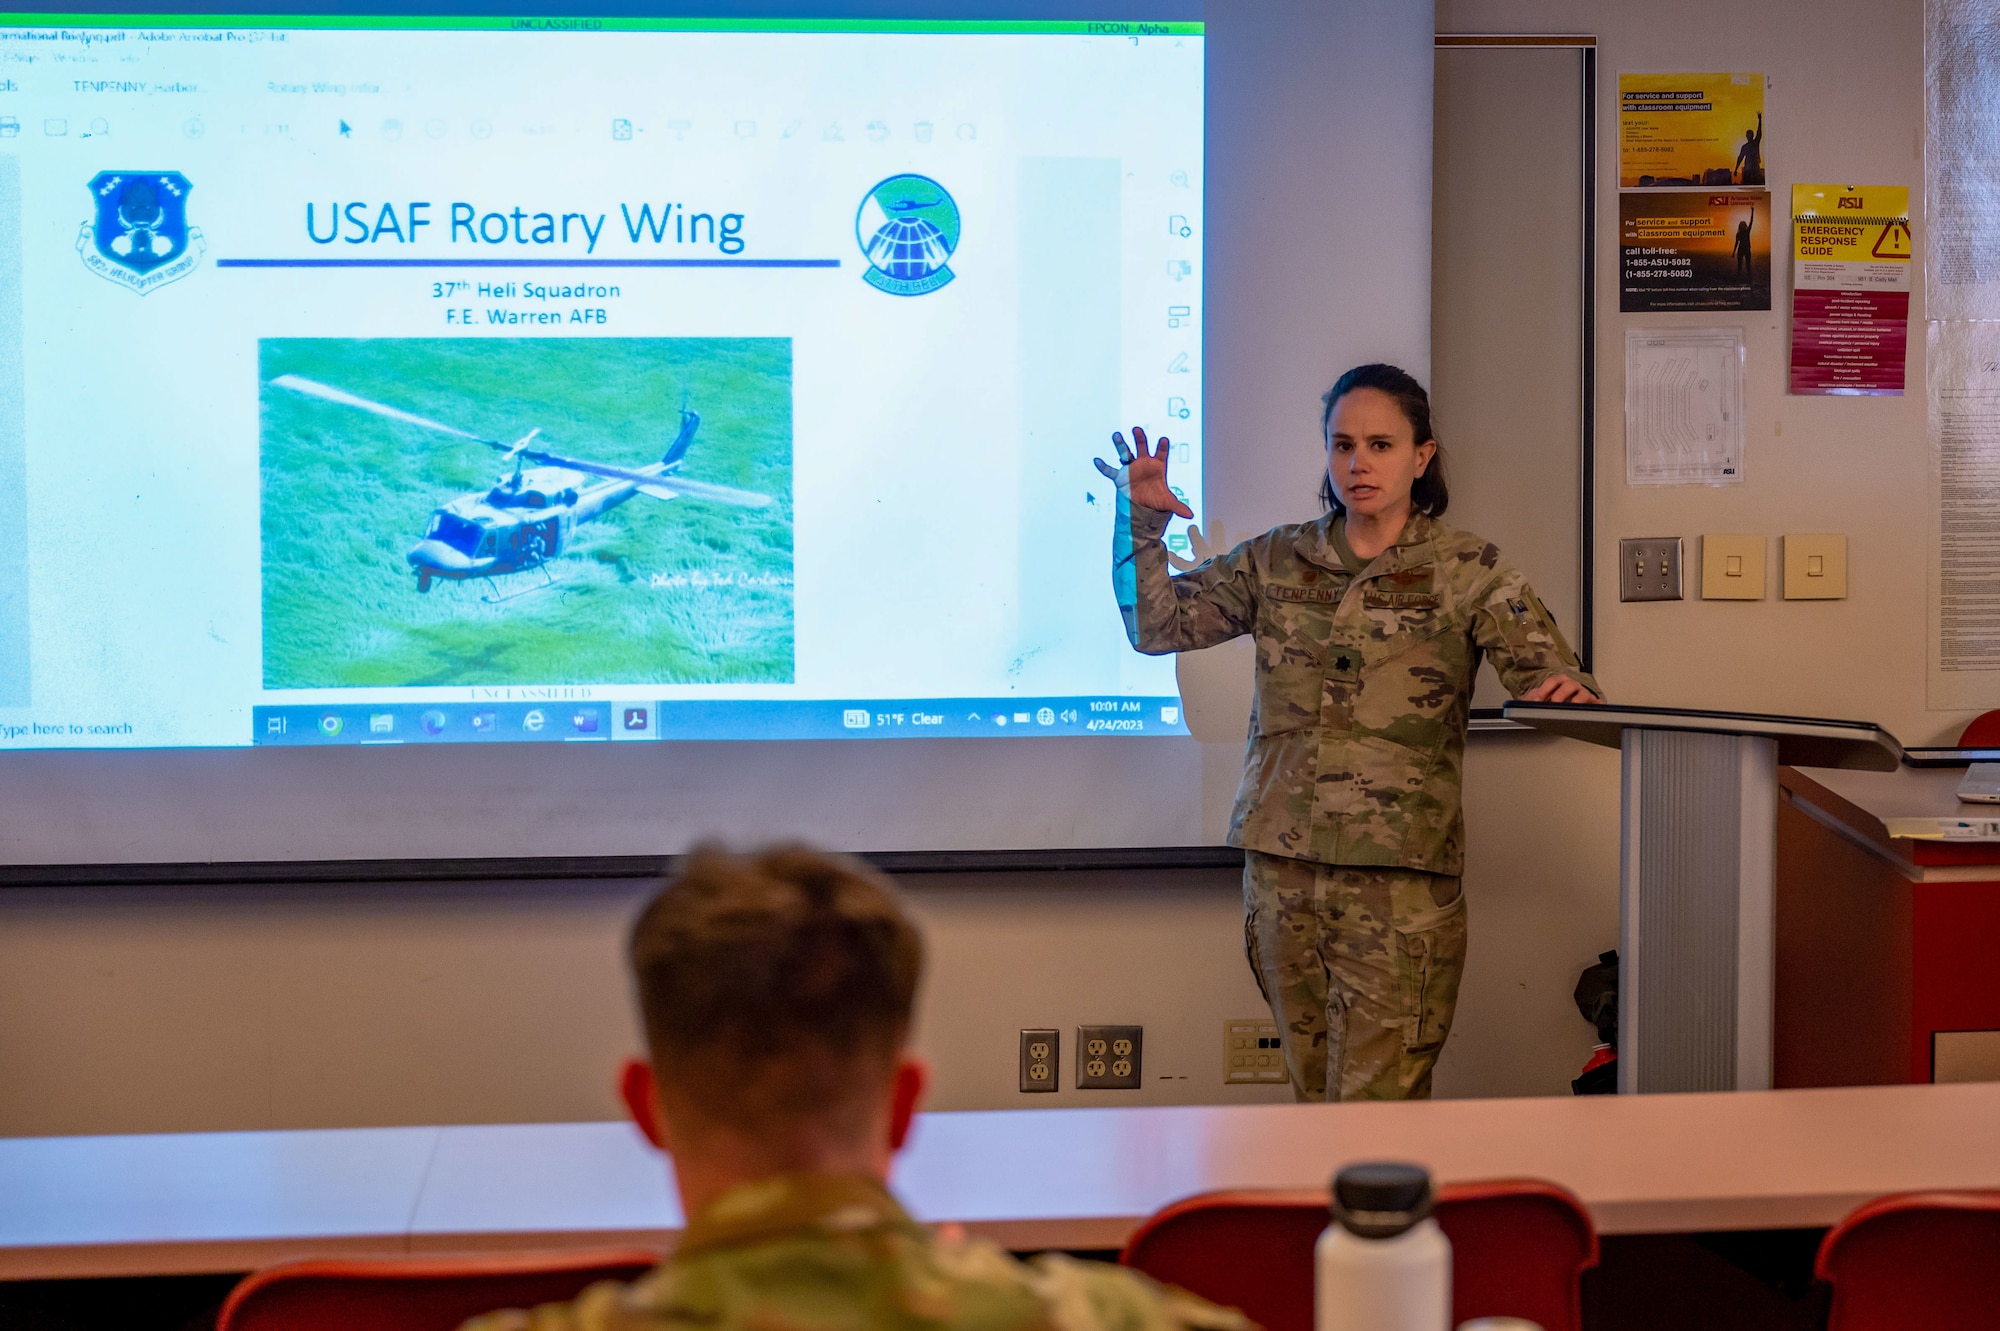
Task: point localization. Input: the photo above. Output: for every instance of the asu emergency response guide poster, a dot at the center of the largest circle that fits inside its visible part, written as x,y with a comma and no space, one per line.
383,381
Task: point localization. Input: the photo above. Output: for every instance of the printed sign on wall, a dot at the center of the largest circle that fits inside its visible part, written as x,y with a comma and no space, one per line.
1677,130
1694,250
1851,250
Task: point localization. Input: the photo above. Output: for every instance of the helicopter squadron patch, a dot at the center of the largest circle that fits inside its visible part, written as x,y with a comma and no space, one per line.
139,236
908,229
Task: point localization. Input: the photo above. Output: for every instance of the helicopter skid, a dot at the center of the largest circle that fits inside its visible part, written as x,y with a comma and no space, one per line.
494,596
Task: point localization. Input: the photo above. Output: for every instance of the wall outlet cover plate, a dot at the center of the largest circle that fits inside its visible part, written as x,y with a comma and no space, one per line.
1108,1057
1040,1050
1649,568
1815,566
1252,1053
1732,567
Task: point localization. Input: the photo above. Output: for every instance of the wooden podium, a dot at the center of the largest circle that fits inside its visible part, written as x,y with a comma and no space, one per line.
1697,878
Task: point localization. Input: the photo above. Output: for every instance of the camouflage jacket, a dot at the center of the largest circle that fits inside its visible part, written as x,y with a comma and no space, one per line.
820,1253
1364,681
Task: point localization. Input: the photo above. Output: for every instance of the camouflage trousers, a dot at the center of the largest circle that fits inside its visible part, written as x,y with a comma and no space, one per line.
1360,965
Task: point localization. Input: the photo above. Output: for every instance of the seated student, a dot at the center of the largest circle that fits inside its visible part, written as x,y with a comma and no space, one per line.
776,992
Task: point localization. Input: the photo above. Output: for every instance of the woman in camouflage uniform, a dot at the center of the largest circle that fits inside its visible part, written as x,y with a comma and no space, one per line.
1370,625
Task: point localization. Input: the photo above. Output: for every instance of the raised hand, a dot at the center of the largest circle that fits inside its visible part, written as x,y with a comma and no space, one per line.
1144,477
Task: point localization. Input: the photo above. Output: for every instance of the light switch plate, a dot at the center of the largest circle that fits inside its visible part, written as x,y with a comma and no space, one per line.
1649,568
1815,566
1732,567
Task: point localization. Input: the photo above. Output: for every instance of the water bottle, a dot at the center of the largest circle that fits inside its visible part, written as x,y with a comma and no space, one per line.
1383,1264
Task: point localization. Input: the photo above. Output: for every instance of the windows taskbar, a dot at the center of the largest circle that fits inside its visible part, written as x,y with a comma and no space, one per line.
610,721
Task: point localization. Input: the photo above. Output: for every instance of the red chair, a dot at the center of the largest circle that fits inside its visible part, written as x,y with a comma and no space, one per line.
424,1295
1982,732
1519,1249
1918,1260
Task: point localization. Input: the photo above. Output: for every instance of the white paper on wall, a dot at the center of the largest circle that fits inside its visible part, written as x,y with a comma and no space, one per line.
1683,406
1962,159
1964,612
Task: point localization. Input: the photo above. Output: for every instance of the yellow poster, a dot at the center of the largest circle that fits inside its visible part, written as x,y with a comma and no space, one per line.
1690,129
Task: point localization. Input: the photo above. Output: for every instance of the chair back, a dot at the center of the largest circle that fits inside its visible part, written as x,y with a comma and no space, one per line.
1982,732
425,1295
1526,1245
1519,1249
1917,1260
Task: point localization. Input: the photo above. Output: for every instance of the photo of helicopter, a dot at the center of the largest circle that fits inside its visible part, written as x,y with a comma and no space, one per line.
527,517
580,510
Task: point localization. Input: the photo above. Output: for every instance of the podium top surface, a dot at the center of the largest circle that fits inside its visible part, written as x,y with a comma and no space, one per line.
1803,741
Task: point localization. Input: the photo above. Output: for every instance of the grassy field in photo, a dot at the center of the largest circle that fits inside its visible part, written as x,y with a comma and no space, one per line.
682,591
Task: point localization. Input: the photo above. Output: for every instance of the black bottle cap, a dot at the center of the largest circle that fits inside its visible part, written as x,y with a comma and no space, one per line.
1381,1200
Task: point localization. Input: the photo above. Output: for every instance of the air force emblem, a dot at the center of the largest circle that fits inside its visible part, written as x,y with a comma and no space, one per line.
908,228
139,236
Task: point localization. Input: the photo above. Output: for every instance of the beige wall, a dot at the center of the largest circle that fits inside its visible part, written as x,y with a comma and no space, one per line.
191,1009
1846,105
222,1008
225,1008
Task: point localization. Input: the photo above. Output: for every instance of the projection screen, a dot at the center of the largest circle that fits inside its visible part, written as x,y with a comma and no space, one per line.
522,436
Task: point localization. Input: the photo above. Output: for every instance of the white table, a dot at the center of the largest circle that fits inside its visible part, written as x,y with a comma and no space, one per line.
1071,1178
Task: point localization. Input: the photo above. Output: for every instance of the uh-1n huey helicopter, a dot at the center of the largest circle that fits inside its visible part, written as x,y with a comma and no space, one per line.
527,517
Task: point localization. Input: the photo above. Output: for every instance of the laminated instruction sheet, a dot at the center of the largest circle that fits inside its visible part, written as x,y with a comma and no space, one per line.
1683,406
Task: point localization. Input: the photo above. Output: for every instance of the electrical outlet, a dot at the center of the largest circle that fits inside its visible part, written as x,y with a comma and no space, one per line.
1039,1050
1252,1052
1107,1057
1649,568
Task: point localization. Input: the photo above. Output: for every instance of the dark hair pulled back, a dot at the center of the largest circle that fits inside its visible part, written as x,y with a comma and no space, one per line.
1429,494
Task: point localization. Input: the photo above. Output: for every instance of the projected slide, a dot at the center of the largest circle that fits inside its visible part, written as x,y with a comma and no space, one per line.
484,380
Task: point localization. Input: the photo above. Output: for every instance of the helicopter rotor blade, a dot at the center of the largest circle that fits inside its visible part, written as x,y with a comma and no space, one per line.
298,383
652,483
674,487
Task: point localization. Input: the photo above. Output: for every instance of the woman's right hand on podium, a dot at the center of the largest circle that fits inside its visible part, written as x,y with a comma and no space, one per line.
1560,688
1145,474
